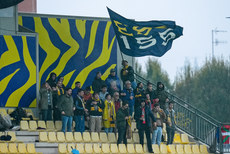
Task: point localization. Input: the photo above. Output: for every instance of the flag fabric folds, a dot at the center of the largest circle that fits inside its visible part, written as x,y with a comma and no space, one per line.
225,130
139,39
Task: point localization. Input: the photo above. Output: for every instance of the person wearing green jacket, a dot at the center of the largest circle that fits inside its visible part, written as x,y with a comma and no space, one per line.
46,102
67,107
122,117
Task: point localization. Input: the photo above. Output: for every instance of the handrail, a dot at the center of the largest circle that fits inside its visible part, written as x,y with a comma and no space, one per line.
189,105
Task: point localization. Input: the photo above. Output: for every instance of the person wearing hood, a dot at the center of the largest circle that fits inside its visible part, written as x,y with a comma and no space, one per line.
127,74
52,80
161,96
97,83
113,78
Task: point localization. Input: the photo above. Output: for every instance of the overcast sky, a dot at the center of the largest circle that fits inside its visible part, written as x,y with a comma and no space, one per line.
197,17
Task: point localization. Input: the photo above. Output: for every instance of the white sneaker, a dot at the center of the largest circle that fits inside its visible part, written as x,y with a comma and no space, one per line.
15,128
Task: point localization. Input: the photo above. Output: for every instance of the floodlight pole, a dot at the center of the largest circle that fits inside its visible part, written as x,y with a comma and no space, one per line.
216,42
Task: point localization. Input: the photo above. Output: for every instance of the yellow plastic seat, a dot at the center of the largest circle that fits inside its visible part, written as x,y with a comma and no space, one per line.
3,111
155,147
95,137
12,148
69,137
22,148
42,124
103,137
187,149
136,138
9,111
61,137
112,138
62,148
179,148
171,148
177,139
58,125
24,126
163,148
114,148
29,112
43,137
86,137
203,149
89,148
122,148
80,148
31,148
195,149
3,148
13,136
139,148
96,148
130,148
33,125
105,148
78,137
70,147
184,139
52,137
50,126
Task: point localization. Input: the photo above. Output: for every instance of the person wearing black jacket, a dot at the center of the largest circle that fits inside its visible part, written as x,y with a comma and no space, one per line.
142,117
95,108
52,80
79,113
127,73
98,83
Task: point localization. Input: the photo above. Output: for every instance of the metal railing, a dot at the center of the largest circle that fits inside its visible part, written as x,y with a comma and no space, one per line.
195,122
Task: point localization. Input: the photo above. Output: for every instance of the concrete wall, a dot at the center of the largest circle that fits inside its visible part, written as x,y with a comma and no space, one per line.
8,20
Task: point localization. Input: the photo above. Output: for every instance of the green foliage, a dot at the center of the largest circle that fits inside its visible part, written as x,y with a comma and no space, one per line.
155,73
207,88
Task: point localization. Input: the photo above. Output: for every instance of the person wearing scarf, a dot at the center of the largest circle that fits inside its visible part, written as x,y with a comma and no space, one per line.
95,107
127,73
58,91
109,114
46,102
138,93
142,117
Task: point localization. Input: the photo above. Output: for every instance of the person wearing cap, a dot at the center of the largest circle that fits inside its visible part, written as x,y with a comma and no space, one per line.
142,117
127,73
113,82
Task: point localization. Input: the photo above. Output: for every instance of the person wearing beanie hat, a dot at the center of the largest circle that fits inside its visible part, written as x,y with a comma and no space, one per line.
113,82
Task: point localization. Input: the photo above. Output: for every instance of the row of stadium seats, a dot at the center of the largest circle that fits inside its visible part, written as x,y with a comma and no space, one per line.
29,112
17,148
106,148
33,125
77,137
101,137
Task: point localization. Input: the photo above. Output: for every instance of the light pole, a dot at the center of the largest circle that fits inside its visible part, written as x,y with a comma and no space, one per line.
216,42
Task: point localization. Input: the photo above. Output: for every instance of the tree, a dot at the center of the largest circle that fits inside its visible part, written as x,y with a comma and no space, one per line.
207,88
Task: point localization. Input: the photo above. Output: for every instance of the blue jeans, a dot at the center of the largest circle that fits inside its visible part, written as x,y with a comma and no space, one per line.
79,123
134,85
156,138
109,130
67,121
46,114
131,109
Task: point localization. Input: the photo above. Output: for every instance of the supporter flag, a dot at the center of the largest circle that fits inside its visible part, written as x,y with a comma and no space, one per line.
139,39
225,130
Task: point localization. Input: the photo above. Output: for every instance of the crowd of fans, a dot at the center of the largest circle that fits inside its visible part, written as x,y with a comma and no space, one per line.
110,107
